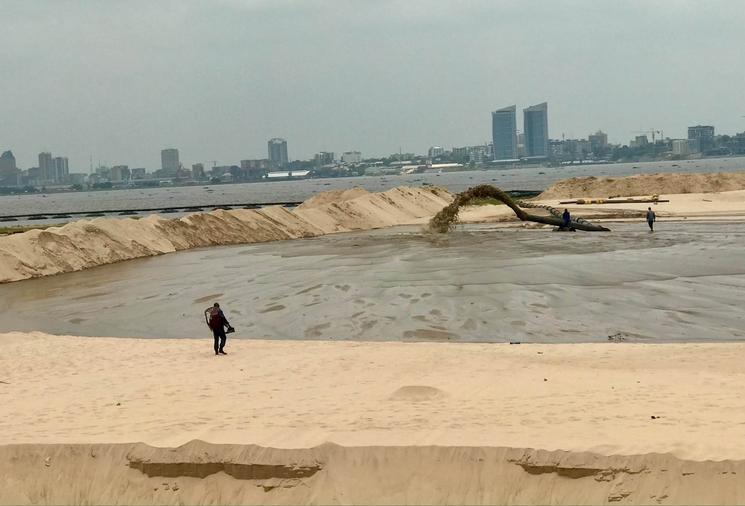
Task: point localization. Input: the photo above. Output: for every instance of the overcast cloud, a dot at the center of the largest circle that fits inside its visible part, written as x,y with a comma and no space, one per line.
120,80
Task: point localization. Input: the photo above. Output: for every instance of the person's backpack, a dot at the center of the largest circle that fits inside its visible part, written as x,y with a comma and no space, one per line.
215,319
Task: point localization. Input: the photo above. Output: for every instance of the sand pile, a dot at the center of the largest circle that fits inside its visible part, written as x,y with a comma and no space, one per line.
333,196
201,473
90,243
644,184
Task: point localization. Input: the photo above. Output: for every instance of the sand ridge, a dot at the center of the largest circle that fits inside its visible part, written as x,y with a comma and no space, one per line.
644,184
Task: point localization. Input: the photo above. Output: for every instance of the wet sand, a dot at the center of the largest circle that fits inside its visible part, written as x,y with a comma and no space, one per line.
479,283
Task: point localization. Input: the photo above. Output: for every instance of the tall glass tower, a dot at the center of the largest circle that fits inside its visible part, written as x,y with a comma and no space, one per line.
535,125
504,133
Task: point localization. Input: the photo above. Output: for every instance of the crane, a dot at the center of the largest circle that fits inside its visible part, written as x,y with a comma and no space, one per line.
653,132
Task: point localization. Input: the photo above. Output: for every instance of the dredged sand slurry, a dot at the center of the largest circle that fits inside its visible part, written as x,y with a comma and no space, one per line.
479,283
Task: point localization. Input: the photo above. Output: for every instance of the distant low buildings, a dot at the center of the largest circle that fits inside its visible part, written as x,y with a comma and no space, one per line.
119,173
639,141
324,158
291,174
197,171
351,157
253,170
435,151
681,147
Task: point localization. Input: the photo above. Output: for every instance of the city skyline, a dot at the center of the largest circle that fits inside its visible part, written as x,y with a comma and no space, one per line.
129,80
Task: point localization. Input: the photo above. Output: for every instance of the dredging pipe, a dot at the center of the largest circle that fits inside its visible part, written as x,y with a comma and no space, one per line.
446,219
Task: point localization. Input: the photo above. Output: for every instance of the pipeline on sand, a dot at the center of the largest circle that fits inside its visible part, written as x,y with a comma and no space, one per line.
446,219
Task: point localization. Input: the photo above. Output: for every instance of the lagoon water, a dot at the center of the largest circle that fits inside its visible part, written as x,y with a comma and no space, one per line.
479,283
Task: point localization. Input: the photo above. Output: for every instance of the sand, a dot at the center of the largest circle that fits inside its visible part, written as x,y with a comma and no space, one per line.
90,243
200,473
164,421
333,196
405,416
644,184
717,206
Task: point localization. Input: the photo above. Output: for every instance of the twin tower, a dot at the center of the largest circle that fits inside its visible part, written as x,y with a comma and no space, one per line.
535,130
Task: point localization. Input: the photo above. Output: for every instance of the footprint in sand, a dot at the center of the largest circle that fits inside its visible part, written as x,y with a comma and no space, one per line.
417,393
208,298
269,309
316,330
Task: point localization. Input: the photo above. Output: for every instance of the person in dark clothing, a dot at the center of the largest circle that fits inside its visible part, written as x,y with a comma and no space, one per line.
217,322
566,218
651,218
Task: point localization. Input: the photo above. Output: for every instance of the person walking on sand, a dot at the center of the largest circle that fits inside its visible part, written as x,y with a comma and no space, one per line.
651,218
566,218
217,322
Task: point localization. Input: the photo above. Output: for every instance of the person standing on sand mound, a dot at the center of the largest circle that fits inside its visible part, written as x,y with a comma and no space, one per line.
217,322
651,218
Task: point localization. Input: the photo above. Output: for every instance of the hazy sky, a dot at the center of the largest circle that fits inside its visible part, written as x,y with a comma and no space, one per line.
120,80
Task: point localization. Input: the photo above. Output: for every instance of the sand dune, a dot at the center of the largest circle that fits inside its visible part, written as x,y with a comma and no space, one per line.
644,184
90,243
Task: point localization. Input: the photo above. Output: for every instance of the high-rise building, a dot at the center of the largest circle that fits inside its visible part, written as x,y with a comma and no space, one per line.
47,171
61,169
8,169
598,140
535,124
703,135
277,152
169,161
504,133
